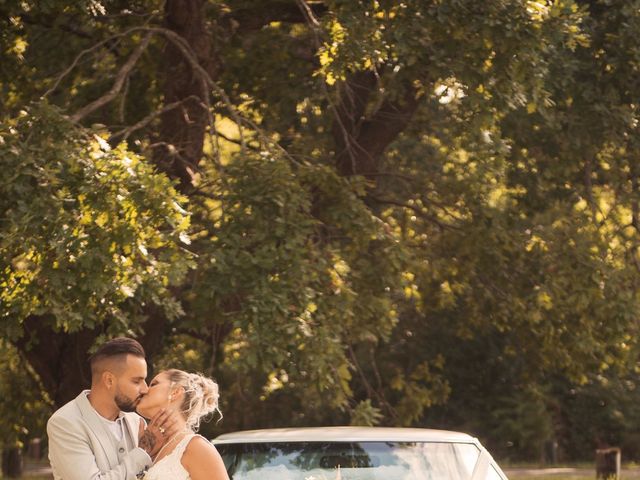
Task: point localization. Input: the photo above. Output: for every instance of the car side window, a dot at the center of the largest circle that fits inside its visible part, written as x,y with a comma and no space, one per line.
467,455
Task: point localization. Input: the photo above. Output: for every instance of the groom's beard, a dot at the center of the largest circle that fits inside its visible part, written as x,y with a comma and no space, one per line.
125,404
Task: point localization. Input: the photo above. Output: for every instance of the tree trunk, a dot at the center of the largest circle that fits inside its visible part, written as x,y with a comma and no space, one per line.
182,130
61,359
361,138
12,464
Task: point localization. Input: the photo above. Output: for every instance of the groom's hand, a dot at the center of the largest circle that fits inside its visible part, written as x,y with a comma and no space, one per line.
160,429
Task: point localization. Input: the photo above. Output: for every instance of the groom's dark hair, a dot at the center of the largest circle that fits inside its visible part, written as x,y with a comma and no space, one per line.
117,347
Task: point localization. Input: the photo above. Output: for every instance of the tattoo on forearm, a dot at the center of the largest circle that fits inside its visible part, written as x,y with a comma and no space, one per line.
148,442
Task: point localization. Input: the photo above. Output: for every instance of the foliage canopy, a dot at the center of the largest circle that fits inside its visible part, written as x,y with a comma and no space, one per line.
380,212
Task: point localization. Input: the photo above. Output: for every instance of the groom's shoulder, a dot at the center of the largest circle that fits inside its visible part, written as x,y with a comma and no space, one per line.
69,410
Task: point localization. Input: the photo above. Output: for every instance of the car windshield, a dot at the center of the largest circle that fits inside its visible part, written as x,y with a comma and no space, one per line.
350,461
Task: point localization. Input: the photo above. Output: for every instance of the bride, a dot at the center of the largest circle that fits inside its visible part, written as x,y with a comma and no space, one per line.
185,455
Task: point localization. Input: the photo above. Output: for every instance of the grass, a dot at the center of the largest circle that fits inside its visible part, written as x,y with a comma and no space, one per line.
572,471
569,476
552,477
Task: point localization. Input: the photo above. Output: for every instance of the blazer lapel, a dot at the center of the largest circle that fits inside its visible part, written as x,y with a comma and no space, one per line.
132,422
98,427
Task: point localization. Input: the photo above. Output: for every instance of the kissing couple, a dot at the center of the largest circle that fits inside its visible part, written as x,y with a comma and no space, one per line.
102,435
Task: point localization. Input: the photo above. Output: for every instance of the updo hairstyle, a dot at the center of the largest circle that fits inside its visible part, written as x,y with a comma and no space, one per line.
200,396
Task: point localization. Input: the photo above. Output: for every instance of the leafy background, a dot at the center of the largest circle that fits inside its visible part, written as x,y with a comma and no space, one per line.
416,213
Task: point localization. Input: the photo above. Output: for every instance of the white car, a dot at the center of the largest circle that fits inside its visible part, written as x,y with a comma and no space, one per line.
355,453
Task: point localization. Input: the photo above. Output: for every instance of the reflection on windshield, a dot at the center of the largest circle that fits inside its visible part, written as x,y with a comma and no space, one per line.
350,461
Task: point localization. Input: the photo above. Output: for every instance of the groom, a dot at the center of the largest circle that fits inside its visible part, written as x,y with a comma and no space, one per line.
98,435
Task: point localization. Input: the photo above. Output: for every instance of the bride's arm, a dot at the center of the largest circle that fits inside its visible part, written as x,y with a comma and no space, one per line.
203,462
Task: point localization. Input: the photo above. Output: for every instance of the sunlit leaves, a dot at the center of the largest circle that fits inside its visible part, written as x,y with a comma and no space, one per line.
299,266
500,229
85,228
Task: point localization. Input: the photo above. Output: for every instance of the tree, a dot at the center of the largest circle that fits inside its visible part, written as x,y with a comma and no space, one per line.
21,394
91,243
377,193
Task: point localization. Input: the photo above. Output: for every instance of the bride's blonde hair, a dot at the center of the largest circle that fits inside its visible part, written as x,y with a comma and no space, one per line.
200,396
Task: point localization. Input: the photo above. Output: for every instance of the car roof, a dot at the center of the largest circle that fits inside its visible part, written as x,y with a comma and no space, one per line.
343,434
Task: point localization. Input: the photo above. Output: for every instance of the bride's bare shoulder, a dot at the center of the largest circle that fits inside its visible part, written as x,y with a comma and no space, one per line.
200,446
202,460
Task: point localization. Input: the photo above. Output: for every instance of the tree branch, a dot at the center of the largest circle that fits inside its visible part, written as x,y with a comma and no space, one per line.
374,134
121,78
256,17
361,141
126,132
84,52
48,21
418,211
201,74
342,134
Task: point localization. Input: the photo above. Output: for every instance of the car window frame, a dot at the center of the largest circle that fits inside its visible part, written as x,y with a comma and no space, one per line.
485,462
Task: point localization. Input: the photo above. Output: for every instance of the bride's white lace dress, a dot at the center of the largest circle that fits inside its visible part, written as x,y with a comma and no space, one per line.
170,466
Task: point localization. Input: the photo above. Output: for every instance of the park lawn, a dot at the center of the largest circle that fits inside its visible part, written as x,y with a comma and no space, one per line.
550,477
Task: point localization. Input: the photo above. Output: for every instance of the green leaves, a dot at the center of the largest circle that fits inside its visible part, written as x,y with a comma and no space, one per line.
86,229
490,245
299,267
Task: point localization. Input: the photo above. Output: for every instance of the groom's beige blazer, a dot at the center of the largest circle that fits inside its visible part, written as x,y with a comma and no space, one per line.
81,447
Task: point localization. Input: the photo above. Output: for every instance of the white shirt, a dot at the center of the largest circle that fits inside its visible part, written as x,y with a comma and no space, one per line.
114,426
